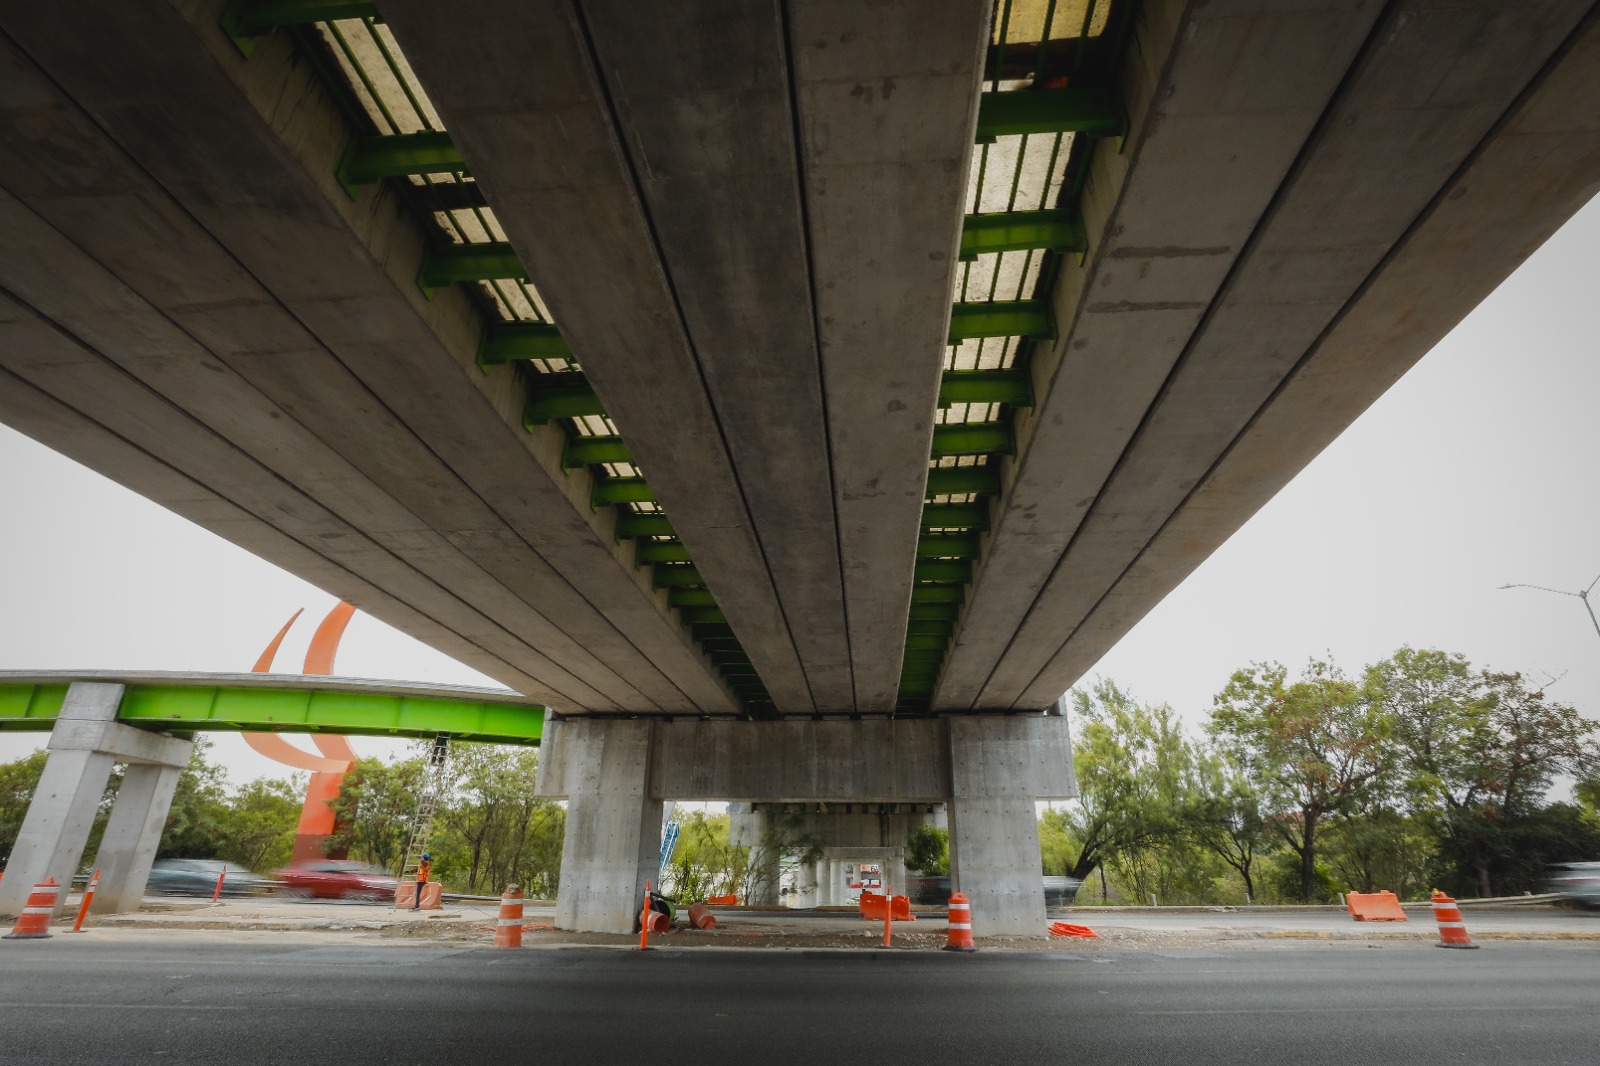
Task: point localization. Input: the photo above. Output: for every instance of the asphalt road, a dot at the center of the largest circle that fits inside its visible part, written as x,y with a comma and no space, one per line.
235,999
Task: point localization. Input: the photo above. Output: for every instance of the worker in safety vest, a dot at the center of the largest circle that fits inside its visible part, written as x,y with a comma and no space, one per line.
424,868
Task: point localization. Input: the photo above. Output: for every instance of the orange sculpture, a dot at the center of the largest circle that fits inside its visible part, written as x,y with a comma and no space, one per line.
317,822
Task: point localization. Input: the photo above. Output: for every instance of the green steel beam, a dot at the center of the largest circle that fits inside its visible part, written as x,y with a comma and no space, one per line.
934,612
711,631
370,159
675,575
712,644
583,451
956,480
560,396
702,614
973,438
1009,114
661,551
938,593
926,643
1001,318
947,546
958,571
508,342
644,524
287,710
919,628
451,196
609,490
1058,230
968,516
451,263
690,598
983,386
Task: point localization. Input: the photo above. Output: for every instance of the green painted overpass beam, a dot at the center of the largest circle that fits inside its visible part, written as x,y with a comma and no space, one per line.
641,524
287,710
947,546
563,395
450,263
957,480
702,614
973,438
370,159
680,597
1000,318
1058,230
660,551
609,490
940,612
965,516
984,386
921,628
938,593
947,571
509,342
1009,114
583,451
668,576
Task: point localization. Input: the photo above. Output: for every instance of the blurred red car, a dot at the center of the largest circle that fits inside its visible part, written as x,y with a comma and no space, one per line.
336,879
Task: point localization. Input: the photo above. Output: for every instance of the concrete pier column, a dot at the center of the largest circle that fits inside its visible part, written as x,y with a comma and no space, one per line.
133,834
994,831
613,839
85,744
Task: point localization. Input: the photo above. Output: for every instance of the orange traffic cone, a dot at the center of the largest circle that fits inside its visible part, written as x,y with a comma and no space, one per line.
1452,930
700,916
34,921
960,935
508,930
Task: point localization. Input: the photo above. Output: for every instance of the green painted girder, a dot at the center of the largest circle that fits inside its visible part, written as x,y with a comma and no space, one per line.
690,598
982,386
729,658
926,628
928,643
644,524
452,196
286,710
957,571
609,490
938,593
660,551
1009,114
702,631
451,263
701,613
968,516
253,17
972,438
953,480
509,342
370,159
1001,318
586,451
934,612
1058,230
947,546
563,395
675,575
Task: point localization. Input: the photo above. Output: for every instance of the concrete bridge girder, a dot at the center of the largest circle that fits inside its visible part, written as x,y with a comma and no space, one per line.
988,770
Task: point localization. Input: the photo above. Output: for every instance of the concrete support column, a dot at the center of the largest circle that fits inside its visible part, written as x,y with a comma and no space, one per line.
994,831
85,744
133,834
613,838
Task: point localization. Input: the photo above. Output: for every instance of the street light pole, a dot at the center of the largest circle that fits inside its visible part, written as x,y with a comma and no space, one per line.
1584,596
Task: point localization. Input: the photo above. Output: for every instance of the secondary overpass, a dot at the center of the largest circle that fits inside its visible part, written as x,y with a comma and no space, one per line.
788,361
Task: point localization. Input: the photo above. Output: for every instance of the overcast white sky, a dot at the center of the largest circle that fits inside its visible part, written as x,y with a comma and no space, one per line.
1476,470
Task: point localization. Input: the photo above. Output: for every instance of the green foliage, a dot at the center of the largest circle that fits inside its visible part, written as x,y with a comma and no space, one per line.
1224,815
194,824
376,811
491,830
257,825
705,861
928,851
17,781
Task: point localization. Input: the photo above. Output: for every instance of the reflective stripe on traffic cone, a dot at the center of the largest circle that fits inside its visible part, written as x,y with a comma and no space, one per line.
34,921
1452,930
508,930
960,936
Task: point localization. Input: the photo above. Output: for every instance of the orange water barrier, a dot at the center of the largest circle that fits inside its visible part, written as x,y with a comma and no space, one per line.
1374,907
872,904
405,894
1067,929
723,901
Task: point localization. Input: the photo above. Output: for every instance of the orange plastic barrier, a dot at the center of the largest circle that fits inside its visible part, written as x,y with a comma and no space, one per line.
701,917
34,921
960,935
508,930
1374,907
872,905
723,901
405,894
1068,929
1452,930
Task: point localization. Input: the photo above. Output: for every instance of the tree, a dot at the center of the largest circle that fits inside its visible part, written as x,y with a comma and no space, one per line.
199,808
1224,815
377,808
1315,746
259,821
1130,761
928,850
17,781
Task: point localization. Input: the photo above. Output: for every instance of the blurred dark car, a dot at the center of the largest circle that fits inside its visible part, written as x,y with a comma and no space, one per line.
1060,891
928,890
336,879
198,877
1577,881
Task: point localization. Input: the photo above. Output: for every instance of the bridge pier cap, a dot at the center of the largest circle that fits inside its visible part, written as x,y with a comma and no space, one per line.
989,770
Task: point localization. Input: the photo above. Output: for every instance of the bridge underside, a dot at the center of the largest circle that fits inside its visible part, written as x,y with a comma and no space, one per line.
727,360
